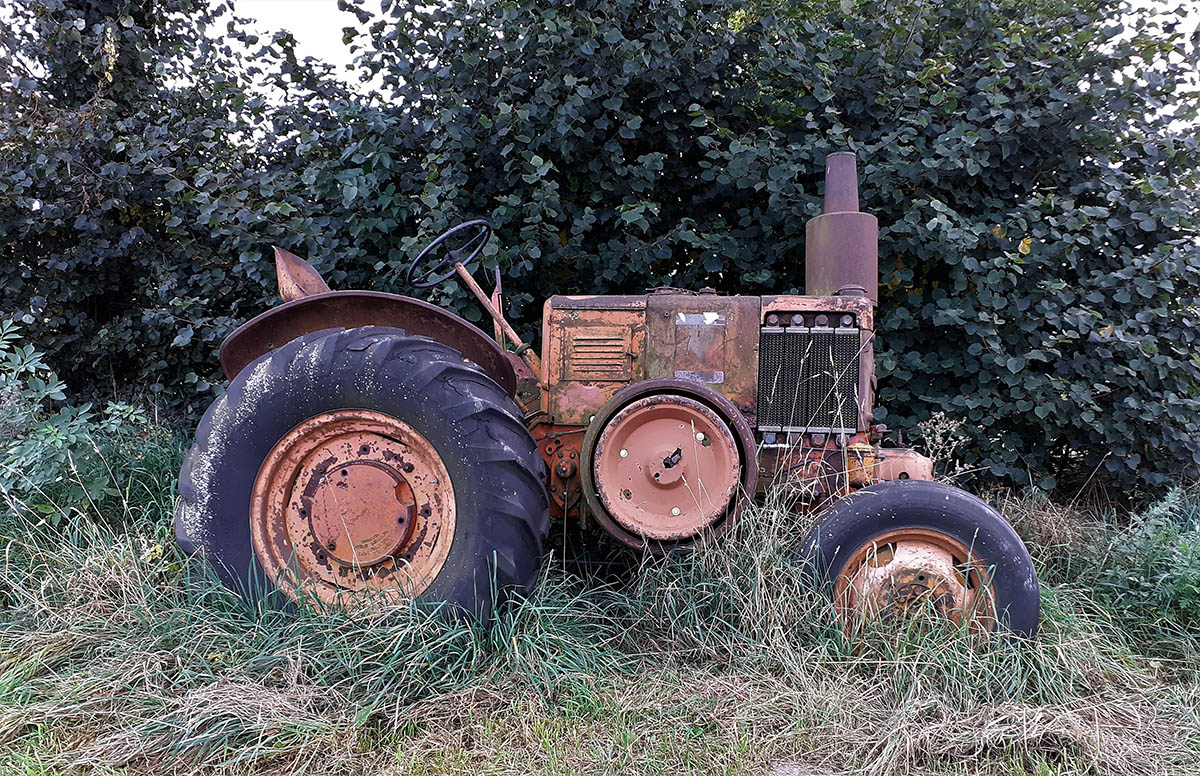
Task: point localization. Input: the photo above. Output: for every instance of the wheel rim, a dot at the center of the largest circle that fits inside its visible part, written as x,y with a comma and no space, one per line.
666,467
352,502
912,571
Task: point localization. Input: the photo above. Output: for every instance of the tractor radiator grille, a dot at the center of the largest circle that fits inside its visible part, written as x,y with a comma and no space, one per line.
808,379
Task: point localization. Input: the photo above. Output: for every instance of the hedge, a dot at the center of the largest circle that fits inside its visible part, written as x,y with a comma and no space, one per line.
1033,166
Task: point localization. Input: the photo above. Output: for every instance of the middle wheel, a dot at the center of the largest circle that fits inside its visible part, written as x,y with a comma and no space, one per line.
664,465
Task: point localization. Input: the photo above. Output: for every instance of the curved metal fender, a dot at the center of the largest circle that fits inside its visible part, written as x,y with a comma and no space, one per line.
351,309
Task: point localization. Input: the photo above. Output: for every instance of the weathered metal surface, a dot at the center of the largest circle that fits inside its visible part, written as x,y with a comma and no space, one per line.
349,309
529,389
707,339
901,463
841,246
352,501
784,306
497,299
560,447
859,461
666,467
724,409
296,277
912,571
827,467
822,467
593,346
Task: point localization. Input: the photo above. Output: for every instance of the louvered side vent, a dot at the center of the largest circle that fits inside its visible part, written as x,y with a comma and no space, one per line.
808,379
598,353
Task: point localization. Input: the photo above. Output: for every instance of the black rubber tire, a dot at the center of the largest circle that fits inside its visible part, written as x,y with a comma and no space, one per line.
887,506
502,510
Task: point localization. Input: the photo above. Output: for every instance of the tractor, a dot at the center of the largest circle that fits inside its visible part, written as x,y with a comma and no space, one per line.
373,447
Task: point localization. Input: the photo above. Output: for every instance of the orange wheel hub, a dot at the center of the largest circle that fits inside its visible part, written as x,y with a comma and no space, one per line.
352,501
666,467
914,570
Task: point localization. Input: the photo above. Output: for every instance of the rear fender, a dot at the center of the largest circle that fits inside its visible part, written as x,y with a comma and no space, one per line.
310,306
351,309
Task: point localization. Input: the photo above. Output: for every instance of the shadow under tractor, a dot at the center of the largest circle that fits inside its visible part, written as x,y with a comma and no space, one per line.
375,447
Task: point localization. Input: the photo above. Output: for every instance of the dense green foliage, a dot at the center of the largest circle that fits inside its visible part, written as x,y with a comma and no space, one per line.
54,462
1039,244
1149,569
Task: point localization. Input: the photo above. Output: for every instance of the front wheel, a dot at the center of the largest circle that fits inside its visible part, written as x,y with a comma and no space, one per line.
896,548
365,464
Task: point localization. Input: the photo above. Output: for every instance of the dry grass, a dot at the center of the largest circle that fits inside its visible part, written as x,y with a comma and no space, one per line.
114,657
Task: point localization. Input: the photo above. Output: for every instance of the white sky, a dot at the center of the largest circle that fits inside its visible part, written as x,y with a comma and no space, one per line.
316,25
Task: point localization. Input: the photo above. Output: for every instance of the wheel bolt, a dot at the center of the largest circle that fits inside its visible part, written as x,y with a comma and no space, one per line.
699,436
624,453
675,511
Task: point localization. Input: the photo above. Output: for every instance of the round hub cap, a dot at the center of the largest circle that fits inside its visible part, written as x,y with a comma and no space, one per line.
352,501
912,571
361,513
666,467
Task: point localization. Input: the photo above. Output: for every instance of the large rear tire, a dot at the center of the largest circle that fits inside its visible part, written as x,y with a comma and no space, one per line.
351,462
915,543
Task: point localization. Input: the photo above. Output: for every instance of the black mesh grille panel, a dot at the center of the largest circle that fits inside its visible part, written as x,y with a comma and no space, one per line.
808,379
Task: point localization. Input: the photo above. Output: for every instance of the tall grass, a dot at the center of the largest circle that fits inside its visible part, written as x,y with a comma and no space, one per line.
116,653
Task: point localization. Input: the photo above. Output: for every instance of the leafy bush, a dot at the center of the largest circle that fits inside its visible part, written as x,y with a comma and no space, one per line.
1039,245
1150,568
53,462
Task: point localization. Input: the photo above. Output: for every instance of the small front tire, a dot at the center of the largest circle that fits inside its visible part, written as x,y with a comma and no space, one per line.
895,544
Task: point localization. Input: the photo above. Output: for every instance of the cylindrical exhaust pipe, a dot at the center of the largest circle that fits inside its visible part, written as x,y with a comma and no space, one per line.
841,248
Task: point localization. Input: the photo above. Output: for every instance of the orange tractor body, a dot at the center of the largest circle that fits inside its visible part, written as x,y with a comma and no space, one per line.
654,416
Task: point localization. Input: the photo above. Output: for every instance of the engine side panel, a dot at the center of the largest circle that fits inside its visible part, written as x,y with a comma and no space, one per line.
593,347
707,339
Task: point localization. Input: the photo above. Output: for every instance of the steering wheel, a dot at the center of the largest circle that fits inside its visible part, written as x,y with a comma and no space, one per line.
480,231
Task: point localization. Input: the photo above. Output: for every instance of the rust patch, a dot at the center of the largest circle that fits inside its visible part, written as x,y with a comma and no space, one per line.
841,246
901,463
913,571
592,348
671,485
560,447
706,339
297,278
332,515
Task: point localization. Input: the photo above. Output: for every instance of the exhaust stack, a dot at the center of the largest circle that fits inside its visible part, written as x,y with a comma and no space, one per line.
841,246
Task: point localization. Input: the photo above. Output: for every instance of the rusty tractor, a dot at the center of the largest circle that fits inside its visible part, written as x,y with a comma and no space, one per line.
375,447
